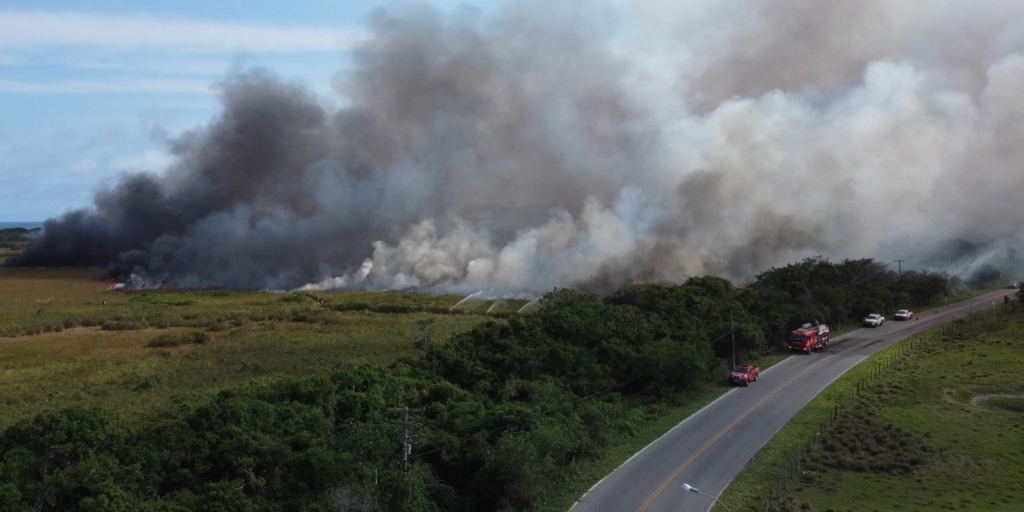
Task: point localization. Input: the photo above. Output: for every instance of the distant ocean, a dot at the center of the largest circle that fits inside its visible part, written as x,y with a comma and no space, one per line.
26,225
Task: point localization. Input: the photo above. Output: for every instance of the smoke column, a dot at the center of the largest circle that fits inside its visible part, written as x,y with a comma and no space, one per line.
553,144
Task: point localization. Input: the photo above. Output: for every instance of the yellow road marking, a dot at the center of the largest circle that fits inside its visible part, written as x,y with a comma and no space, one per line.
661,488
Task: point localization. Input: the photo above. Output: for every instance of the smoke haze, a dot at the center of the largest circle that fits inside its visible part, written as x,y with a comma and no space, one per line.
552,144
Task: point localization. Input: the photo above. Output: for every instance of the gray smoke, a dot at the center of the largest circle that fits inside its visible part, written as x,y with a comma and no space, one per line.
553,144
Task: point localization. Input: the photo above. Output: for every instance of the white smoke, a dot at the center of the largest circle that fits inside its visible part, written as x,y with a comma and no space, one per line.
862,131
589,144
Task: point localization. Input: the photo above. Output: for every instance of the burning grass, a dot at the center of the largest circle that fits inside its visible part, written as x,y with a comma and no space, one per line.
66,339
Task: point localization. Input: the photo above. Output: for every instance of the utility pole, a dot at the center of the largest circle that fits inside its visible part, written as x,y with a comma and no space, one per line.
406,442
899,280
732,330
404,422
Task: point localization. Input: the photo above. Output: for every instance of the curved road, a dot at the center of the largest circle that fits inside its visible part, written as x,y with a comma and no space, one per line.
708,449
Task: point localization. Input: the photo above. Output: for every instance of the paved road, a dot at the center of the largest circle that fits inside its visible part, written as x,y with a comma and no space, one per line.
708,449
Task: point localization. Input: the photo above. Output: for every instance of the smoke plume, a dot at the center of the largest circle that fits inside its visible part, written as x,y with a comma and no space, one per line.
557,144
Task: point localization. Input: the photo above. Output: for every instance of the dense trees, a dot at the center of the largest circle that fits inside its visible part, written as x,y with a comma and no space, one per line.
506,407
836,293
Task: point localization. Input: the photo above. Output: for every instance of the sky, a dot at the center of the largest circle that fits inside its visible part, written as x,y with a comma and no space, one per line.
511,144
91,90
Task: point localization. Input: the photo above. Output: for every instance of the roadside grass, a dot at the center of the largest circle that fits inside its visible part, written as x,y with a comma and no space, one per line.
70,340
655,421
973,456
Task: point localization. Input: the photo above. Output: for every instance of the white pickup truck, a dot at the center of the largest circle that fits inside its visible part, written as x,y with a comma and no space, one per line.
874,320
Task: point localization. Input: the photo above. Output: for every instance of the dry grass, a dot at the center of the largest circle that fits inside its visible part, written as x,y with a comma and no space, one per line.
68,339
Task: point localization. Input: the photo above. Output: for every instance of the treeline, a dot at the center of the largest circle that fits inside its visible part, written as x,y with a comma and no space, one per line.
15,239
500,416
838,293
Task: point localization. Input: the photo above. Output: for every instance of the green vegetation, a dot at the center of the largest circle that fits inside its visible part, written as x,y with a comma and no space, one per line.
940,429
252,401
73,340
13,240
176,340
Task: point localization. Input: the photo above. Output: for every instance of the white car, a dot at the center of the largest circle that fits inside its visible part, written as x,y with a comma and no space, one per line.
874,320
904,314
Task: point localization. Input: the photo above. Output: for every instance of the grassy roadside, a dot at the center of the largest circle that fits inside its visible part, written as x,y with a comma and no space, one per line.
911,440
657,421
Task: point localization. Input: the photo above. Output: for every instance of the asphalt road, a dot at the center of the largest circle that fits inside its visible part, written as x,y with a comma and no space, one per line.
708,449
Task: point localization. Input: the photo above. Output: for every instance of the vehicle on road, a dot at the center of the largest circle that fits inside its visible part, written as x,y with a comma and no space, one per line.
744,374
904,314
874,320
809,337
1013,286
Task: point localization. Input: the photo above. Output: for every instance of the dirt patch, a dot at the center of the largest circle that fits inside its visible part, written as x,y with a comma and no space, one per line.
83,343
1006,402
949,395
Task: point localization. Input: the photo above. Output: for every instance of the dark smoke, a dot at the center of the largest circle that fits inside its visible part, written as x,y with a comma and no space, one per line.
554,144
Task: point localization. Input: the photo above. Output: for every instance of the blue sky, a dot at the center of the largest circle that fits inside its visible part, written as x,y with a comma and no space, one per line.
90,90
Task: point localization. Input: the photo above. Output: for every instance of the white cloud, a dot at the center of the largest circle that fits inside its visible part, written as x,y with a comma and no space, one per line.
36,29
152,161
10,60
139,62
153,86
83,167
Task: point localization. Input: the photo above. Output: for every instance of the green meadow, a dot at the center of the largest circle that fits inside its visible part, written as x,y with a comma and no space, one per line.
67,339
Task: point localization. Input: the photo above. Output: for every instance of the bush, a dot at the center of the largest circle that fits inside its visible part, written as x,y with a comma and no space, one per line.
351,306
163,299
175,340
123,325
861,442
218,326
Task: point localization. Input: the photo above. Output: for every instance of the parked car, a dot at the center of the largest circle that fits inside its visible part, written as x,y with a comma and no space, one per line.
744,374
874,320
904,314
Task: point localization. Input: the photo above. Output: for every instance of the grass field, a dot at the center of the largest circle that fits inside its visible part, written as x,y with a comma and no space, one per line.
67,339
940,429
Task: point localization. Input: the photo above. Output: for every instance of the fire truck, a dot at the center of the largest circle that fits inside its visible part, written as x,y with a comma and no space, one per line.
809,337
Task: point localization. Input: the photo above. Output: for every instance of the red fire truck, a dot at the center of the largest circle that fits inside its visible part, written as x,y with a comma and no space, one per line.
809,337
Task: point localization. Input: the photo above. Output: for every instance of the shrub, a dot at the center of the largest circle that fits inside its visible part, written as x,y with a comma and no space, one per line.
123,325
175,340
165,340
351,306
217,326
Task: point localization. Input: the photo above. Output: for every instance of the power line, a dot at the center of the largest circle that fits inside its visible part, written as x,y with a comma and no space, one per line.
406,424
